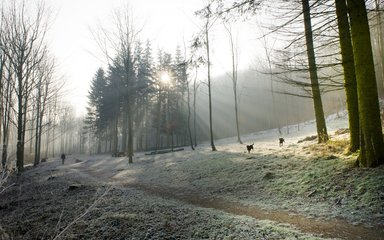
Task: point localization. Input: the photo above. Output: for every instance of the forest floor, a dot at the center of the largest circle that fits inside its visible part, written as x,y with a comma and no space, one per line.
302,190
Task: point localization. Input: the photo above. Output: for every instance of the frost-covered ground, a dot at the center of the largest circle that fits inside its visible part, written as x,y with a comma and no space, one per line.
226,194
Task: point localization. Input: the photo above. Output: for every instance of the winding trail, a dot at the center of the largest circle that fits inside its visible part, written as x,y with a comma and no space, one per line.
326,228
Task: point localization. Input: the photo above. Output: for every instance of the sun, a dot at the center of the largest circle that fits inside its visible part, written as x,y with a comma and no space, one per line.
165,78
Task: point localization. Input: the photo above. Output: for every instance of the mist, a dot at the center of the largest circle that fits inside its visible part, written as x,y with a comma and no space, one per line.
256,106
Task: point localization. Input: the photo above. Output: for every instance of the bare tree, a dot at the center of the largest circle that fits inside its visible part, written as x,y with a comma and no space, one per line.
235,61
6,99
22,37
187,82
189,112
195,87
46,91
208,16
268,54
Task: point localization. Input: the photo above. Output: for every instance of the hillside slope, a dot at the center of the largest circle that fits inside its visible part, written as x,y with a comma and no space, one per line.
296,191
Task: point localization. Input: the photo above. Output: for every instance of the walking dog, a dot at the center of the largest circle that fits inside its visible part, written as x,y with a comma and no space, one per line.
250,147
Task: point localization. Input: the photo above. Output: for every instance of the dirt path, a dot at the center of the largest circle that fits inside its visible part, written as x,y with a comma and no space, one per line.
326,228
329,228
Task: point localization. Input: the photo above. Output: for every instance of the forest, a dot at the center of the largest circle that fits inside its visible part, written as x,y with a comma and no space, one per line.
139,103
319,59
145,101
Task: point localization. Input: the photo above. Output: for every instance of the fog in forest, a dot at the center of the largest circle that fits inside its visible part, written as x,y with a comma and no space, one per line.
106,91
191,119
258,110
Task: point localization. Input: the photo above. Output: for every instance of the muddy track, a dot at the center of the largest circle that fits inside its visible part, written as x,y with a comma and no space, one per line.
326,228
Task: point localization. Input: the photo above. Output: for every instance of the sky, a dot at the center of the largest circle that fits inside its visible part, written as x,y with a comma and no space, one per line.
166,23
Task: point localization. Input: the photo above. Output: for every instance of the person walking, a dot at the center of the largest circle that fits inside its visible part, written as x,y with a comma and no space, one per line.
62,157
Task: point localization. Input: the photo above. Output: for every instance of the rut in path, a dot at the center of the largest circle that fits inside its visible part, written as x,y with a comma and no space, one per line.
327,228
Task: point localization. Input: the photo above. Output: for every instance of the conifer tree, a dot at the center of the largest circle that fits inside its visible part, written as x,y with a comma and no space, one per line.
371,139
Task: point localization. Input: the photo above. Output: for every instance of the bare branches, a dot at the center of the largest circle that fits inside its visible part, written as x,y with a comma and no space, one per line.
22,44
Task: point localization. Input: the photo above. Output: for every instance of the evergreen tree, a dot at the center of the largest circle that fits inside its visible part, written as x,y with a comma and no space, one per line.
181,86
321,127
96,112
349,73
113,102
144,76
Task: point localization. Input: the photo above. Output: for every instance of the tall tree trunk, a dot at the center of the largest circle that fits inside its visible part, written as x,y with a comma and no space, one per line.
146,126
380,42
37,134
39,138
209,87
5,123
48,135
194,110
41,114
158,122
36,161
5,138
130,134
349,73
371,140
98,144
321,127
236,107
189,117
2,97
168,127
124,130
115,135
54,127
110,136
234,79
32,126
20,139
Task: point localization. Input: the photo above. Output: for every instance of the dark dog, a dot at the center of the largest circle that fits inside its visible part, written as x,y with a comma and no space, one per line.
281,141
250,147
